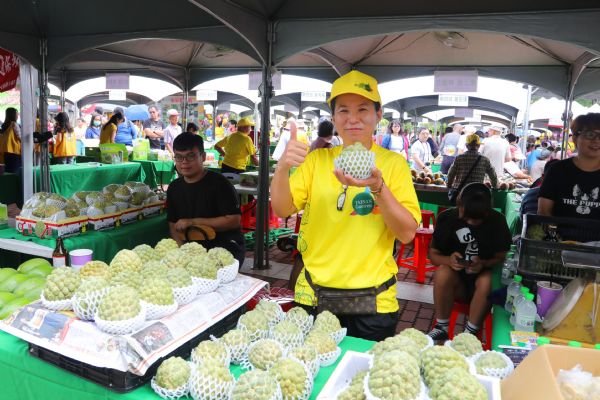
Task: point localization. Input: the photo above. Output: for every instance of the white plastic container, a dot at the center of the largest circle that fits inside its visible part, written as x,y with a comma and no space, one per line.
525,314
512,291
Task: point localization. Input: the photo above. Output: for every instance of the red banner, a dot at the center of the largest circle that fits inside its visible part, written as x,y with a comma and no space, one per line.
9,70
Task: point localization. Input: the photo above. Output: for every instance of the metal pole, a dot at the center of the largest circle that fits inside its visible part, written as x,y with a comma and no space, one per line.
525,127
261,249
186,96
44,158
566,115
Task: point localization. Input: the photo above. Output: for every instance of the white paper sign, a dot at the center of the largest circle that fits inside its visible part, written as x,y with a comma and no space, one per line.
463,112
255,80
455,81
118,95
117,81
206,95
453,100
320,97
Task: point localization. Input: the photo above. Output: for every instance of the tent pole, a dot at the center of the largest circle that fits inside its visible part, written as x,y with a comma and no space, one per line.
44,156
186,96
525,127
261,249
29,83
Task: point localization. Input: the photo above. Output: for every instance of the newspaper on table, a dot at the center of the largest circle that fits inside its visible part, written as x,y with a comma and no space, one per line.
64,333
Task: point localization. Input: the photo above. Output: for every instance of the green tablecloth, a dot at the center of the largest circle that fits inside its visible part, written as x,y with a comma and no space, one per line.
24,377
158,173
68,179
501,326
10,188
105,244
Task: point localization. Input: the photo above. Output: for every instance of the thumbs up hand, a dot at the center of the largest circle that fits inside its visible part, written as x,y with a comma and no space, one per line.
295,151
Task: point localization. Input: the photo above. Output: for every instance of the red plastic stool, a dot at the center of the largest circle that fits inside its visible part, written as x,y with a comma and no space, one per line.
463,308
419,262
427,216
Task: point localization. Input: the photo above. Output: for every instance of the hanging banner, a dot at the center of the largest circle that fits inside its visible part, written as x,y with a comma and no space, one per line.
206,95
117,80
9,70
455,81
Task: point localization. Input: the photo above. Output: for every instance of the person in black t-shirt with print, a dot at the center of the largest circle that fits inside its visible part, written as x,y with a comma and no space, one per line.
467,242
202,197
571,187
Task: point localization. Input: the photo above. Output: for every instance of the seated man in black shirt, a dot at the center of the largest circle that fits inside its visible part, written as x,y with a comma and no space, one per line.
467,242
202,197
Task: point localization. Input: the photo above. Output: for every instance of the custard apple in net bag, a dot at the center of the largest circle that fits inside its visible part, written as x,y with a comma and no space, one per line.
173,373
457,384
356,160
255,385
120,303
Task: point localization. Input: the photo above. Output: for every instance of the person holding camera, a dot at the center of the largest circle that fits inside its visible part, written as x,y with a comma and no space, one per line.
467,243
421,152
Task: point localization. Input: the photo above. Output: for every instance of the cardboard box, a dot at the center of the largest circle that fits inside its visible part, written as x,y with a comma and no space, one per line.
131,215
63,228
353,363
535,377
153,209
104,222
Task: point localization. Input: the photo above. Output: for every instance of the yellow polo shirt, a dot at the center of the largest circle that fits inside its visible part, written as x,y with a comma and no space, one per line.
238,147
67,146
107,132
342,249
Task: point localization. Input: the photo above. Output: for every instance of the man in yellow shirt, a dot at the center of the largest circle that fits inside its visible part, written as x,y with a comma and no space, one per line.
349,225
236,148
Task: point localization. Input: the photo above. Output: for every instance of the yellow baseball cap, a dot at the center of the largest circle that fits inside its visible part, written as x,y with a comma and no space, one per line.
355,82
245,122
473,138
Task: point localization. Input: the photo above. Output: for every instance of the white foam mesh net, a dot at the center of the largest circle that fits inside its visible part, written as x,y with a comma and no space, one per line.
358,164
423,395
204,285
288,341
205,387
57,305
276,396
247,364
308,384
156,311
86,305
225,359
303,323
500,373
327,359
313,365
228,273
186,294
169,394
58,203
123,327
339,335
254,335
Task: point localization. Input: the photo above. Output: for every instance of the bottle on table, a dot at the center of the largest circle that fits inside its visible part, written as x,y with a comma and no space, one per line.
512,291
526,312
59,255
509,269
519,298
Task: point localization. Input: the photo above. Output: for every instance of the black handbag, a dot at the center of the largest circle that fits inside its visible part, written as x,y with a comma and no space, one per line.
452,192
348,301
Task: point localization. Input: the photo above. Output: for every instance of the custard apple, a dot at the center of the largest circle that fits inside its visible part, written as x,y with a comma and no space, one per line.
292,378
157,291
80,196
56,200
193,249
416,336
309,355
61,284
354,391
176,258
287,333
45,211
137,198
221,256
146,253
123,193
154,269
237,341
356,160
395,376
71,211
125,260
466,344
95,268
90,285
179,277
457,384
436,360
297,314
88,296
491,360
253,322
113,187
264,353
120,303
71,202
327,322
271,310
211,380
397,342
109,197
255,385
127,278
173,373
322,342
203,267
211,349
164,245
94,197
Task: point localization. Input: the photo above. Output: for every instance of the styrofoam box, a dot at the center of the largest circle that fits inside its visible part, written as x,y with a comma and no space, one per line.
354,362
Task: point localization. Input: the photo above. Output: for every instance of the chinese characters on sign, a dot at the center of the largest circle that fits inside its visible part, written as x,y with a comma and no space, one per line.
455,81
319,97
117,80
9,70
453,100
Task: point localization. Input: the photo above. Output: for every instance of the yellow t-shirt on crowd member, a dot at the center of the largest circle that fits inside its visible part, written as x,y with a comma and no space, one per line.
219,132
12,142
107,132
342,249
65,146
238,147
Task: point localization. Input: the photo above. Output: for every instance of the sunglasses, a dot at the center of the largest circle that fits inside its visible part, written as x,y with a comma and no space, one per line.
341,200
187,157
589,135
